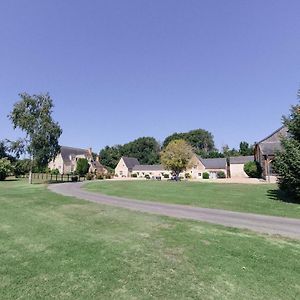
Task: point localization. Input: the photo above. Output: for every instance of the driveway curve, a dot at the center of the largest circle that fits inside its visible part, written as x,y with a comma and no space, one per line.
259,223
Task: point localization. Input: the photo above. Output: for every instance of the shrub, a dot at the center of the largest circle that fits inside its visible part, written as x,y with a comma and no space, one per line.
116,175
221,174
74,178
100,176
167,176
90,176
205,175
134,175
253,169
187,176
5,168
82,166
147,176
108,176
54,172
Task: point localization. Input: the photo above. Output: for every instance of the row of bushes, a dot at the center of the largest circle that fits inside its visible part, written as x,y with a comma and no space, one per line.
91,176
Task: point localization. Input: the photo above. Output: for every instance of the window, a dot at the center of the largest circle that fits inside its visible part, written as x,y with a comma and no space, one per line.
200,174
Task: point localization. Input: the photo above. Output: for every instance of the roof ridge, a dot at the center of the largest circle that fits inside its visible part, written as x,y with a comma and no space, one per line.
271,134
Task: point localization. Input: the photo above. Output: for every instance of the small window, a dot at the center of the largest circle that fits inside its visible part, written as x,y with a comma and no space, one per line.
199,174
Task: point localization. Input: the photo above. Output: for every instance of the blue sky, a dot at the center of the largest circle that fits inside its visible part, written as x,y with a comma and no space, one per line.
118,70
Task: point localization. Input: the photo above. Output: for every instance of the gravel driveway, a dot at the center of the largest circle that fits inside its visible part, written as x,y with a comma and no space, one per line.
258,223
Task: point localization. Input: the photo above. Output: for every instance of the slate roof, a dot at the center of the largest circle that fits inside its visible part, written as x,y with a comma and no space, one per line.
148,168
130,162
241,159
97,165
66,152
272,143
213,163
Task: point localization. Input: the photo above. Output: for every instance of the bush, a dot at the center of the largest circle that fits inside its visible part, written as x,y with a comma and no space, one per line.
21,167
253,169
167,176
74,178
147,176
221,174
5,168
82,166
108,176
205,175
54,172
134,175
100,176
90,176
187,176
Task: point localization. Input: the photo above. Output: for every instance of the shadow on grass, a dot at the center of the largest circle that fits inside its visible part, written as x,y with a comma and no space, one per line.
278,195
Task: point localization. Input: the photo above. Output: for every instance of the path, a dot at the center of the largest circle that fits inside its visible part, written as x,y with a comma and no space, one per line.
259,223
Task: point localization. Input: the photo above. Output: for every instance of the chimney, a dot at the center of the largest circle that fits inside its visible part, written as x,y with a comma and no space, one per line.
90,151
98,158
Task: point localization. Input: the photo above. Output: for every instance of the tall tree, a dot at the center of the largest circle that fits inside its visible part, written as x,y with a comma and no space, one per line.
201,140
287,162
110,156
177,156
246,149
82,166
33,115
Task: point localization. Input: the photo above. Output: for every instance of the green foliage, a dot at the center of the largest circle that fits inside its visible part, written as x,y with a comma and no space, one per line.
147,176
32,114
287,162
187,176
134,175
201,140
5,168
54,172
245,149
21,167
82,166
166,176
205,175
74,178
253,169
177,156
145,149
221,174
211,154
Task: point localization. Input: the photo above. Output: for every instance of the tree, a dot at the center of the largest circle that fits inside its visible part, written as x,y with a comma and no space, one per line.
177,156
82,166
32,114
21,167
145,149
227,152
245,149
5,168
201,140
287,161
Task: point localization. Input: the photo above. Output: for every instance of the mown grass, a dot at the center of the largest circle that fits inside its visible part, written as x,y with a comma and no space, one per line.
55,247
251,198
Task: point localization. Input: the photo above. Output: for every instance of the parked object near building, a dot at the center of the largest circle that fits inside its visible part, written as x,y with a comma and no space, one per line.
237,163
265,151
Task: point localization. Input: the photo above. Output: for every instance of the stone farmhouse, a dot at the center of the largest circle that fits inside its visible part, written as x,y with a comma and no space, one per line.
265,151
66,160
125,166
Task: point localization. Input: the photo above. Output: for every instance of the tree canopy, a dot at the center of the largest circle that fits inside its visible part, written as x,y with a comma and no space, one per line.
145,149
287,162
201,140
32,114
82,166
177,156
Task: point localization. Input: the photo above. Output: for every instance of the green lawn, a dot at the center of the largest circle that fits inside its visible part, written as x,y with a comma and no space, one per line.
258,198
55,247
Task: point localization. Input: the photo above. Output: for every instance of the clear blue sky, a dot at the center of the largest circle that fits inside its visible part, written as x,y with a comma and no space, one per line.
118,70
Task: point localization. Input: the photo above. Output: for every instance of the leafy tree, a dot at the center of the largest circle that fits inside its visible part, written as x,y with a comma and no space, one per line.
246,149
253,169
227,152
177,156
110,156
145,149
21,167
287,162
82,166
32,114
3,149
201,140
5,168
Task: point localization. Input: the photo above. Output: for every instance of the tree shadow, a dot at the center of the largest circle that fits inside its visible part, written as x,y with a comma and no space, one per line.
278,195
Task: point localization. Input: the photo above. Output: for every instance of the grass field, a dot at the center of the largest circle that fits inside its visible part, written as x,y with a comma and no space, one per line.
260,198
55,247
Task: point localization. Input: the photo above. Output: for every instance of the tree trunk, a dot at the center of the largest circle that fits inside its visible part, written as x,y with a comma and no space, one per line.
30,171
